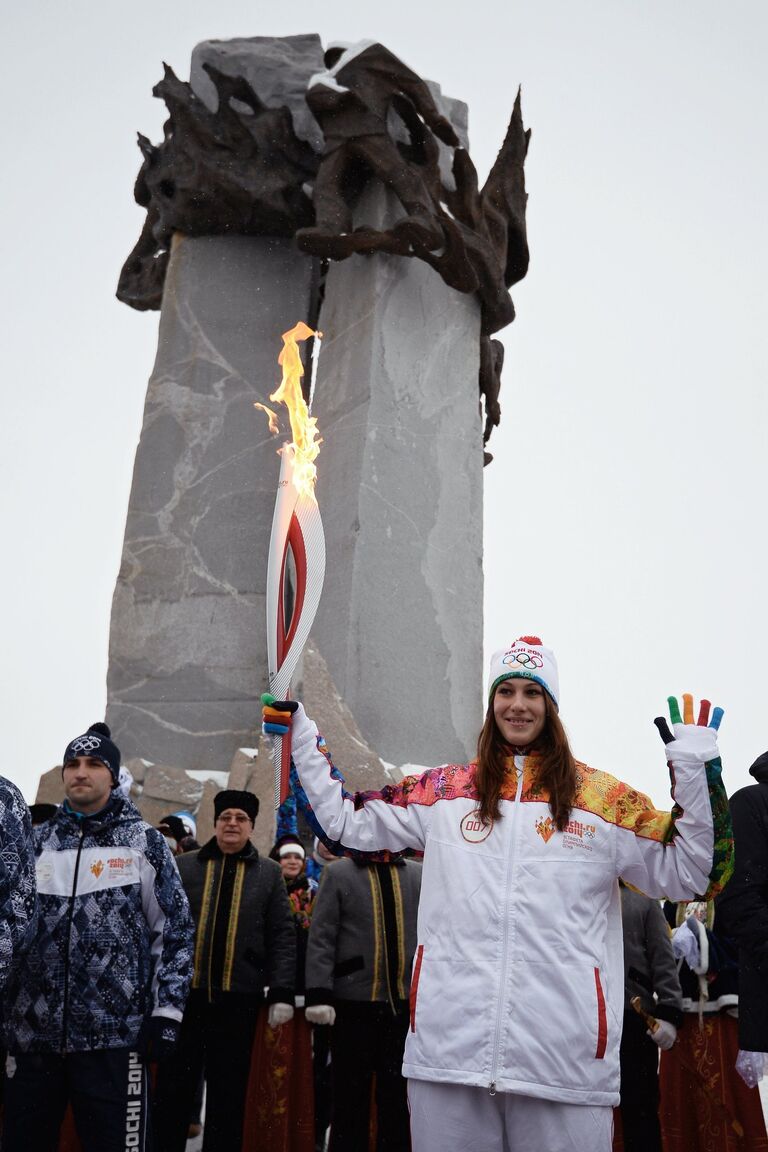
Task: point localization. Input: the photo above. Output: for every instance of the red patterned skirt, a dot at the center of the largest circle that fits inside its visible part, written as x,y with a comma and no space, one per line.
705,1106
280,1104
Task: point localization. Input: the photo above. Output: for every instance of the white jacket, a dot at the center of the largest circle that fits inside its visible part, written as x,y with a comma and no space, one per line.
518,981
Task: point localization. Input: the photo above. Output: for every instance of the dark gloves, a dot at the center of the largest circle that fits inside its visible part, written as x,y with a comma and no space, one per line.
157,1038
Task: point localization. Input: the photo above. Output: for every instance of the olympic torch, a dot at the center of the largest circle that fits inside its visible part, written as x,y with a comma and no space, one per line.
296,564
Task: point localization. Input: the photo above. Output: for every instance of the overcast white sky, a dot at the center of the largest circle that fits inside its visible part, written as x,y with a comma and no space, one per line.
625,510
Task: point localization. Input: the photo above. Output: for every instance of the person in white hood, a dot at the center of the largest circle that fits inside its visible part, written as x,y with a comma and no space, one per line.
517,993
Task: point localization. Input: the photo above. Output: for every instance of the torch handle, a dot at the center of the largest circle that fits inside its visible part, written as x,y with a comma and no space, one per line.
651,1021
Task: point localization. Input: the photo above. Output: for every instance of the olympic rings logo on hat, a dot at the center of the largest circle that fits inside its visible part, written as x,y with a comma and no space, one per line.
85,744
524,659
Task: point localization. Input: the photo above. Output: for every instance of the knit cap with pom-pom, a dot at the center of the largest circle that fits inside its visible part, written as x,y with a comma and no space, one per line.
526,657
96,742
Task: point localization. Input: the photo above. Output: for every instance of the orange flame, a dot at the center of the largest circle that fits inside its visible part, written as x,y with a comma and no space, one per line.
306,441
274,427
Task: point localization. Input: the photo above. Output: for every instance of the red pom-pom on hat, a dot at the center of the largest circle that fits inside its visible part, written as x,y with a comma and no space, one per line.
531,640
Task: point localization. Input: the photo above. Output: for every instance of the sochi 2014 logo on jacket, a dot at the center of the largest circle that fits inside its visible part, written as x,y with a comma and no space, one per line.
546,828
473,829
575,834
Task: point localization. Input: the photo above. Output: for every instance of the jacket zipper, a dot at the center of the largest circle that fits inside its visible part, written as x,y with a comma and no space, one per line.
65,1005
505,935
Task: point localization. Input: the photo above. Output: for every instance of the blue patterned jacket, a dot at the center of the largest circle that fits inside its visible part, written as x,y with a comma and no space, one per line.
114,935
17,879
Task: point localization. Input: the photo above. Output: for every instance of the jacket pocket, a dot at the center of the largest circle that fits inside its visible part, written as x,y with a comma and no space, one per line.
602,1019
415,985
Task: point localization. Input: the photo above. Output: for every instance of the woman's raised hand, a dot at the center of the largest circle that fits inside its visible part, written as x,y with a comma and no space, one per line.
698,738
276,715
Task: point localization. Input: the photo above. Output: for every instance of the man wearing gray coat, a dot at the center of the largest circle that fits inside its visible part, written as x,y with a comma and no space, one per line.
359,958
650,972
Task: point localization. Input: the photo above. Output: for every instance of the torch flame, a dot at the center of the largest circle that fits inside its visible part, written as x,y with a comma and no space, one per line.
274,427
306,441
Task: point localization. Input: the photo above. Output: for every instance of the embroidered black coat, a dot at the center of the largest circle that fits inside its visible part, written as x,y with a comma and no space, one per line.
245,939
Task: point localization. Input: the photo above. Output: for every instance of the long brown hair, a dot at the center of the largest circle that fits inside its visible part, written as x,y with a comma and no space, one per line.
556,775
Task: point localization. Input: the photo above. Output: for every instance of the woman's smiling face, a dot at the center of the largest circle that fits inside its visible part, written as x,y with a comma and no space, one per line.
520,710
291,864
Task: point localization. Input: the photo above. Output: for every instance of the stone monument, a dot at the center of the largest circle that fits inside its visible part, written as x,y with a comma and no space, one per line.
333,187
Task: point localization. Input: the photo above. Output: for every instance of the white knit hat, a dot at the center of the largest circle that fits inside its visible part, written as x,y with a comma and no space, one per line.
529,658
291,848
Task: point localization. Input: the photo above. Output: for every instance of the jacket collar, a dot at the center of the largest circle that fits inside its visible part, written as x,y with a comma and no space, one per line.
115,809
211,851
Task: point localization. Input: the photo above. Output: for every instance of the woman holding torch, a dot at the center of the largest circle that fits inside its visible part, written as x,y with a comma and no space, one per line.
517,991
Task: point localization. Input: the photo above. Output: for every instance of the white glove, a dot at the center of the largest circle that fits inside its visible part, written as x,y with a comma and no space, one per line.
688,741
279,1014
320,1014
685,945
751,1067
665,1035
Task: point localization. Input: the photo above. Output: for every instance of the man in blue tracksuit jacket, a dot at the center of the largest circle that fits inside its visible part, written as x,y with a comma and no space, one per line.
104,983
17,881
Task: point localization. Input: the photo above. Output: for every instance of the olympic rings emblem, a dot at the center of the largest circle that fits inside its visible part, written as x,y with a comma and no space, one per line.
86,744
524,659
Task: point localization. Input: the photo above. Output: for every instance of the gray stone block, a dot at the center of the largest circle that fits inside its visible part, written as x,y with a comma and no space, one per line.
361,767
278,68
204,814
241,770
188,634
400,484
137,768
166,782
260,781
50,788
153,810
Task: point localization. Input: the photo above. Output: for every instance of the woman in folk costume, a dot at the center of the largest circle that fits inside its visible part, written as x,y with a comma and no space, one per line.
280,1112
518,992
705,1104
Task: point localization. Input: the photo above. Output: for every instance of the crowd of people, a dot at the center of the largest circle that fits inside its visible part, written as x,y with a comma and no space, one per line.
517,953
